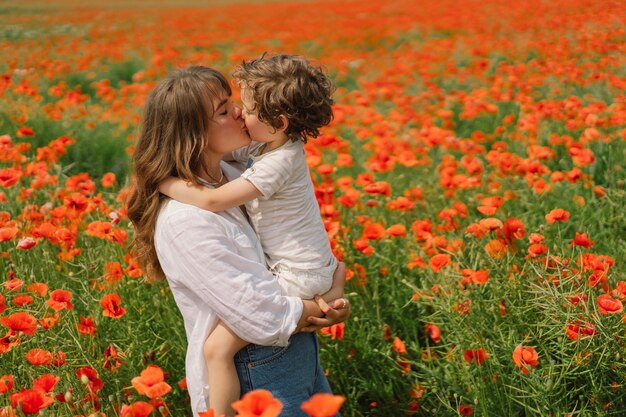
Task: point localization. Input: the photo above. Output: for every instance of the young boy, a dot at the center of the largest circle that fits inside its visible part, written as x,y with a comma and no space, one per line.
285,100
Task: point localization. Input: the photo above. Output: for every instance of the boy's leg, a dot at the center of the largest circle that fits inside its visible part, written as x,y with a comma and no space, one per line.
219,352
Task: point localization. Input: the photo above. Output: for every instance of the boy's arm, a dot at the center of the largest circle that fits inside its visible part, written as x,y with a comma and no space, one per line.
229,195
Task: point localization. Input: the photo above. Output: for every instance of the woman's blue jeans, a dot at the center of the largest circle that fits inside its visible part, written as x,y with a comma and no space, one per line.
292,373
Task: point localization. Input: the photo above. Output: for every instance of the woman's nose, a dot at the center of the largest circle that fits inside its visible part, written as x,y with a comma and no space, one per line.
237,112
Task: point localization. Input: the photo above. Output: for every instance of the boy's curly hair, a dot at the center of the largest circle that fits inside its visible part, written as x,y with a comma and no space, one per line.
292,86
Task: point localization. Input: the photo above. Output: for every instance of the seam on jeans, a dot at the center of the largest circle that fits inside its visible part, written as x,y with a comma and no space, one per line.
248,379
250,350
317,358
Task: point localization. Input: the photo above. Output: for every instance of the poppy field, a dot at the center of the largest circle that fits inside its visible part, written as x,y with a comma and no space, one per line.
473,180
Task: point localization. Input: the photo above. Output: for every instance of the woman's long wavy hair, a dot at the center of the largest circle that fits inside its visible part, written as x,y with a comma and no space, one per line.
172,141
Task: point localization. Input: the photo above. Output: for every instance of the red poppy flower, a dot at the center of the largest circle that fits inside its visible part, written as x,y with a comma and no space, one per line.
81,183
416,261
8,233
115,272
26,243
374,231
537,249
323,405
60,300
490,223
150,382
38,288
258,403
479,355
433,332
490,205
475,277
108,180
76,202
46,382
619,291
380,187
336,331
513,228
58,359
13,284
39,357
88,375
86,326
397,230
111,358
6,383
25,131
399,346
608,304
111,303
579,330
137,409
365,178
437,262
350,198
466,410
581,239
20,322
496,249
363,246
22,300
525,357
557,215
46,230
476,230
31,401
49,321
8,178
400,204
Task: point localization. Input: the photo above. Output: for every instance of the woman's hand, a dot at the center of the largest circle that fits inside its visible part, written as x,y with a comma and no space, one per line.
337,311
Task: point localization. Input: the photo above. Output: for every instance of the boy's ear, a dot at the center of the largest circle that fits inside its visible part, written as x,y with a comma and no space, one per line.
284,123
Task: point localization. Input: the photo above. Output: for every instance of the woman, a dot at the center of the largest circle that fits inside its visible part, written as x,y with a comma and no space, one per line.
213,261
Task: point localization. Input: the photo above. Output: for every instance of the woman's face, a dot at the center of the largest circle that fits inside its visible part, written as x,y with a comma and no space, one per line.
227,130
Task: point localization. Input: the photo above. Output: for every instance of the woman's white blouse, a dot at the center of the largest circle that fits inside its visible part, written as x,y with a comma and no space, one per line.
216,270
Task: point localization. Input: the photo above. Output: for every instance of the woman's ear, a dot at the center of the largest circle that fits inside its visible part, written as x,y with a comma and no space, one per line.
284,123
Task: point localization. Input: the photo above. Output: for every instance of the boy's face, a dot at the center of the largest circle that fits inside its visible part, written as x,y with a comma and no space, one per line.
258,130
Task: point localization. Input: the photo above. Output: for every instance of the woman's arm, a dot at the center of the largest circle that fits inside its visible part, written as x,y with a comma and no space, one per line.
229,195
339,281
198,252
